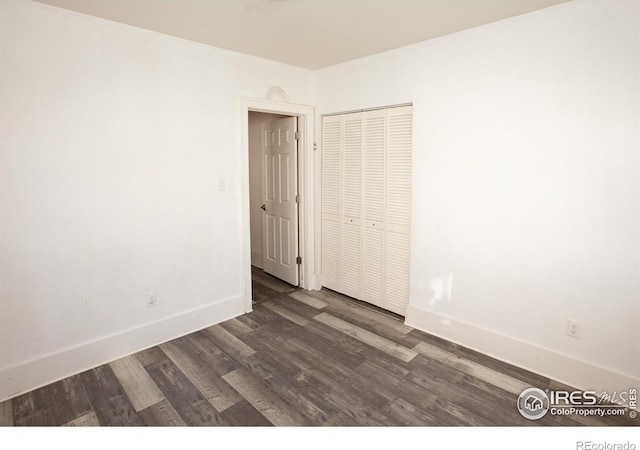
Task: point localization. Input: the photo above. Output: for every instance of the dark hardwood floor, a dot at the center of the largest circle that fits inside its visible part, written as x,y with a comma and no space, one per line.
300,358
267,287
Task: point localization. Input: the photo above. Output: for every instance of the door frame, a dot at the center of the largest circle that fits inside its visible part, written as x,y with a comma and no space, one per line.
306,184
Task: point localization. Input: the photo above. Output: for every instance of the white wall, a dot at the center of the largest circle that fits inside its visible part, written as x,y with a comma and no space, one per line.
256,119
526,184
112,140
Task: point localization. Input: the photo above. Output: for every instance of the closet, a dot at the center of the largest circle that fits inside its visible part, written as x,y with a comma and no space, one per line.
366,205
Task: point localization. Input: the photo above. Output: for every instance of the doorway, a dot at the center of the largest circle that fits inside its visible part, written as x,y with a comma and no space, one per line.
256,112
273,190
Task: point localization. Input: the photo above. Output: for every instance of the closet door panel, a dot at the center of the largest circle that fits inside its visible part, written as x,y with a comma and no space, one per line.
398,209
351,188
374,173
331,199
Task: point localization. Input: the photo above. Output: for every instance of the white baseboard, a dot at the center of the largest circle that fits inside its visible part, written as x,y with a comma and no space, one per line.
543,361
47,369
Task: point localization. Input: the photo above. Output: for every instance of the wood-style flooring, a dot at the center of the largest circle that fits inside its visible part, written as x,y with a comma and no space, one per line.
267,287
300,358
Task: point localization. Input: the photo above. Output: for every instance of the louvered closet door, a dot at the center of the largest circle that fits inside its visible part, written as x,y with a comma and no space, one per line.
351,188
331,200
373,172
398,209
366,216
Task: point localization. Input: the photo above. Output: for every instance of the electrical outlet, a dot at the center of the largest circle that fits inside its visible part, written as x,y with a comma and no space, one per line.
574,328
151,299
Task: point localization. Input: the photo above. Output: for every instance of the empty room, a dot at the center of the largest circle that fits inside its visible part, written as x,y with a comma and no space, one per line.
343,213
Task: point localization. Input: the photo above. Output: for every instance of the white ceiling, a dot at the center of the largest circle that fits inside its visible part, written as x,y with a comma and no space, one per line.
305,33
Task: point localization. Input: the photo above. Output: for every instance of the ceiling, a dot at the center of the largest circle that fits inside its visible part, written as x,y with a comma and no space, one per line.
305,33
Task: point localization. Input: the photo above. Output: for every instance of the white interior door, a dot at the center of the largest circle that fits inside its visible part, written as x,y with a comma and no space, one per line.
279,190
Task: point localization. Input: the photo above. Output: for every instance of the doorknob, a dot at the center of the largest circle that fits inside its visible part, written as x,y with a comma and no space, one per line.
264,207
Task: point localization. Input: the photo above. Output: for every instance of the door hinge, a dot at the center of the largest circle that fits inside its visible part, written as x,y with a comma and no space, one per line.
298,199
315,146
299,260
298,135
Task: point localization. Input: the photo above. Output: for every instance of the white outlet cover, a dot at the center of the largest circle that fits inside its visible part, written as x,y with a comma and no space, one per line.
574,328
151,300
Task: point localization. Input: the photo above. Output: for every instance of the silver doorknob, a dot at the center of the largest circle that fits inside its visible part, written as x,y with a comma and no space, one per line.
264,207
